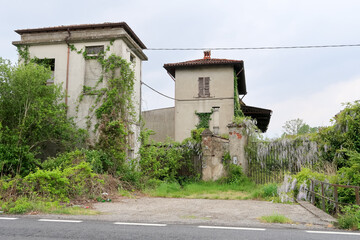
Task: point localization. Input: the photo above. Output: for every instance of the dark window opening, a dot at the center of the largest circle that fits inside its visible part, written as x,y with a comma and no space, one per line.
204,87
48,63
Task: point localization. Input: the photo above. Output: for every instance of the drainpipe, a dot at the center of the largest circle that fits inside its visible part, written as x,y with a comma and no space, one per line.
67,68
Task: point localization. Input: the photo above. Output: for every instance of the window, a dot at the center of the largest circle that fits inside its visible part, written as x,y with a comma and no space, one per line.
48,63
204,87
94,50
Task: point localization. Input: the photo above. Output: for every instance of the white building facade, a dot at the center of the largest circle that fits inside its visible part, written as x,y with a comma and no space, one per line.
73,71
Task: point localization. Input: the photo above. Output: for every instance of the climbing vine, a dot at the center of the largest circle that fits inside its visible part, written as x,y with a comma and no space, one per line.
113,106
204,118
237,107
24,54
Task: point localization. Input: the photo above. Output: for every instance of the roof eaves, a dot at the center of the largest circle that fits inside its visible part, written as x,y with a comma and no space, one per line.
84,27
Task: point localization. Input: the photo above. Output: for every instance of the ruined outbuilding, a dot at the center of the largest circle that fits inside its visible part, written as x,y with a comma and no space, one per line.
74,72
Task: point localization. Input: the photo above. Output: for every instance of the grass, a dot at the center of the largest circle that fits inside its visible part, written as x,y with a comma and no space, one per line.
24,205
275,218
213,190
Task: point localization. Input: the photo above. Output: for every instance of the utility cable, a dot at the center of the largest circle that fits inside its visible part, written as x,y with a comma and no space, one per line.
196,99
157,91
256,48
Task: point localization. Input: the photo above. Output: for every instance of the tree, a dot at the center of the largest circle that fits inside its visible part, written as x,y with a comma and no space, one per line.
297,127
32,115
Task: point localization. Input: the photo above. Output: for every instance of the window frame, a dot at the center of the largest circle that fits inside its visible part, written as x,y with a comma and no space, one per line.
204,87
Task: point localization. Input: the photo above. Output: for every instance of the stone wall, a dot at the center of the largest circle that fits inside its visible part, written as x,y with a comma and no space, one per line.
214,148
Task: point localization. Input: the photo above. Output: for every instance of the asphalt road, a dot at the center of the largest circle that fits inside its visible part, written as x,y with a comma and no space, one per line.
35,228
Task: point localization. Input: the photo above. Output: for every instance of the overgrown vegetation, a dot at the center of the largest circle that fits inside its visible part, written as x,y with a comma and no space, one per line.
33,119
330,154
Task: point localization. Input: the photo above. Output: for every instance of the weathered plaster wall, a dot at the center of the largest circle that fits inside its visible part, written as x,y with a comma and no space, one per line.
162,122
238,141
186,91
53,45
213,149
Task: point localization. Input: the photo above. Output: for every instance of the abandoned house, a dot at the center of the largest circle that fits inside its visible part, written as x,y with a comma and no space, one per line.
204,85
73,71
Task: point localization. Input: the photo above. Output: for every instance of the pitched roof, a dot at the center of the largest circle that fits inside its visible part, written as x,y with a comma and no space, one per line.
207,61
170,67
84,27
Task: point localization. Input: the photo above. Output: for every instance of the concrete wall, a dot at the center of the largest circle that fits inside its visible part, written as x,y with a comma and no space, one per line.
53,45
214,148
186,91
162,122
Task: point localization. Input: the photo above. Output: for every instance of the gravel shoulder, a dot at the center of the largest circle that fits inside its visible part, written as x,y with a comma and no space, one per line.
237,213
207,212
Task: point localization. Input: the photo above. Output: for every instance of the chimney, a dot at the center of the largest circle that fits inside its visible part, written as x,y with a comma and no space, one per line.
207,54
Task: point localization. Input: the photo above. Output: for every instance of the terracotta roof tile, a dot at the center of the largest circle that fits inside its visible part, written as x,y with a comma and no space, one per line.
211,61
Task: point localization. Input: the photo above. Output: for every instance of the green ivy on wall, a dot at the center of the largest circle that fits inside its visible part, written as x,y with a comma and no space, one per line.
204,118
113,106
237,107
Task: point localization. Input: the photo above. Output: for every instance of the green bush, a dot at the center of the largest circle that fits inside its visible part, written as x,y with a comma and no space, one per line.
196,134
71,183
306,174
350,219
171,161
98,160
269,190
349,175
20,206
235,175
32,116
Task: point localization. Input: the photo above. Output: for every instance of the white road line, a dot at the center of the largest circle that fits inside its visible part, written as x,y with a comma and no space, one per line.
7,218
59,220
141,224
340,233
233,228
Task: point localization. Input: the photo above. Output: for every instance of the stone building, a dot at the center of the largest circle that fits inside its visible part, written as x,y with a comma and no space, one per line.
207,85
73,71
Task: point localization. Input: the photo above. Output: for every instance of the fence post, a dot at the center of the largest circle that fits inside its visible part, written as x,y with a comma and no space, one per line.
357,195
322,196
312,189
336,198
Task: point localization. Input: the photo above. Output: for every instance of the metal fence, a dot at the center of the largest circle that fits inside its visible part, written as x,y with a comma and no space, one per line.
318,186
270,161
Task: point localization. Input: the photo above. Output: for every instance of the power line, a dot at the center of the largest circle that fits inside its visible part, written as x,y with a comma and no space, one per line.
257,48
157,91
184,100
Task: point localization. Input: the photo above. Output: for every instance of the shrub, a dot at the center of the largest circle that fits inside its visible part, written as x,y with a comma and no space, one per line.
351,218
71,183
235,175
98,160
171,161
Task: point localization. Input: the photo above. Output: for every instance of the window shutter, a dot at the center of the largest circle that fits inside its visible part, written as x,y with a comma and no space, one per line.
207,87
201,86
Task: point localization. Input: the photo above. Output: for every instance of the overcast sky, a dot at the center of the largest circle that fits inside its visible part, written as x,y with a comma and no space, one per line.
310,84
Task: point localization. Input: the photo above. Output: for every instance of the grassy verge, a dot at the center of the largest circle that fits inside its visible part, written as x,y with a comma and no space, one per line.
275,218
214,190
24,205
